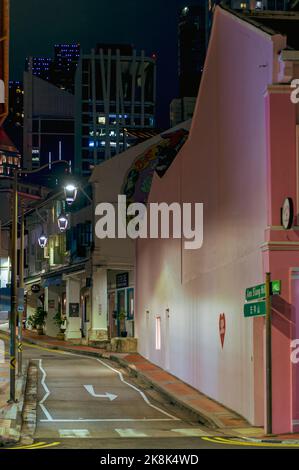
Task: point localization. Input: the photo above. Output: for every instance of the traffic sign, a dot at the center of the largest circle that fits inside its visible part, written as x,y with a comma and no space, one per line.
259,291
255,309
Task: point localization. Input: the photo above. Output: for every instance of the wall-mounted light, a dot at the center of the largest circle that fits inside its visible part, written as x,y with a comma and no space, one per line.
42,240
70,191
62,222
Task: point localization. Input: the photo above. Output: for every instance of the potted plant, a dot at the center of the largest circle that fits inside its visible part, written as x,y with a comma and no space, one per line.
122,322
59,321
38,320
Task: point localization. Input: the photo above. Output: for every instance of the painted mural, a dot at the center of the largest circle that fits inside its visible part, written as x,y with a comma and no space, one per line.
157,158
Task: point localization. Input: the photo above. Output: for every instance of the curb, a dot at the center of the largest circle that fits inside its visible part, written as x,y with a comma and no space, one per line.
271,441
12,416
201,417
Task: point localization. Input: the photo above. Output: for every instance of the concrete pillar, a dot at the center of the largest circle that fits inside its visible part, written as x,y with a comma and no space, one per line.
51,306
73,329
99,313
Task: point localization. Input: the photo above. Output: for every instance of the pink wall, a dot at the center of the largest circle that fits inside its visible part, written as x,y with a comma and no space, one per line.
281,250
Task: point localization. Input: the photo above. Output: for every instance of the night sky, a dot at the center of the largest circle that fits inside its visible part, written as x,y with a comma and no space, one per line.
36,25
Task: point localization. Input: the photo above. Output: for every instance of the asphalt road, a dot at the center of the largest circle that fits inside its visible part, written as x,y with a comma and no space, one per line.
89,403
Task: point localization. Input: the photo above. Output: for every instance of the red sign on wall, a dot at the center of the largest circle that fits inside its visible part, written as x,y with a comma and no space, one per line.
222,328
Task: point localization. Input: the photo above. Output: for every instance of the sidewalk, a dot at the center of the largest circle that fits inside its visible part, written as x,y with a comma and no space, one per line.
11,414
205,410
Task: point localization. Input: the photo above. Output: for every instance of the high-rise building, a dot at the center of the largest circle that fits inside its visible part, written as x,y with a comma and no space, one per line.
14,122
115,93
4,58
194,28
39,66
9,155
48,123
261,5
66,58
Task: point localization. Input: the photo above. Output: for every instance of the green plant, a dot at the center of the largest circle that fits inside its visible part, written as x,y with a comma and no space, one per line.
58,320
38,319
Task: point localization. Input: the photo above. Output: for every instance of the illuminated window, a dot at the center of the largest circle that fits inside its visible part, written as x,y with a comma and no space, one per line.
101,120
158,333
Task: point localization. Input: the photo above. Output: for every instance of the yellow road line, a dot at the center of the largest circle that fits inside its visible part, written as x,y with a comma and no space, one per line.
220,440
38,445
36,346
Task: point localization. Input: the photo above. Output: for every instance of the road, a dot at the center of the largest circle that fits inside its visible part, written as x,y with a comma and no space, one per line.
89,403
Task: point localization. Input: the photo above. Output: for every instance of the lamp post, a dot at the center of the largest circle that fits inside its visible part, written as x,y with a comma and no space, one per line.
14,280
21,285
14,289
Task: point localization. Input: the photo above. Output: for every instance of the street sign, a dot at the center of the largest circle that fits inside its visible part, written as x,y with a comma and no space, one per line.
259,291
275,287
256,292
255,309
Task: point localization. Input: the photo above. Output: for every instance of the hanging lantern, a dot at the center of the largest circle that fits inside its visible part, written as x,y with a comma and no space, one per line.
70,191
62,222
42,240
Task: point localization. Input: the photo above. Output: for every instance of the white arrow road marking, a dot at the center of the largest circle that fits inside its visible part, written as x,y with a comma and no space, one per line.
130,433
90,390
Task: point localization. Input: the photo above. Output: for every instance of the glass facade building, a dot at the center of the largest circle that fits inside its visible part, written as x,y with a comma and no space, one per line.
115,92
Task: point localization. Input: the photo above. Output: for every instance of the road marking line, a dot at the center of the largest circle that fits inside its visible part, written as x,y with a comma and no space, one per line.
100,420
139,391
47,394
130,433
190,432
29,446
74,433
219,440
38,445
105,365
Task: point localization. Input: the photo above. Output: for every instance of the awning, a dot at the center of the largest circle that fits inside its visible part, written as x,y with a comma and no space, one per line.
52,281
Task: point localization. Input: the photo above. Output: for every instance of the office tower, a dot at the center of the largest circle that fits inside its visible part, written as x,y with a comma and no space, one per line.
193,30
4,58
66,58
39,66
14,122
115,92
48,123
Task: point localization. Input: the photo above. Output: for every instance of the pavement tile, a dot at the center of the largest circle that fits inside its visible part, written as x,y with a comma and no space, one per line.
145,366
161,376
204,404
181,389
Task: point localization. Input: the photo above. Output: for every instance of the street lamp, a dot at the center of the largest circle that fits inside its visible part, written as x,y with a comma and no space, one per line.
42,240
70,191
62,222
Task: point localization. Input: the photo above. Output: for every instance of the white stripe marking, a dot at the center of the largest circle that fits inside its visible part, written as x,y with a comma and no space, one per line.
103,420
47,394
130,433
190,432
140,392
73,433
